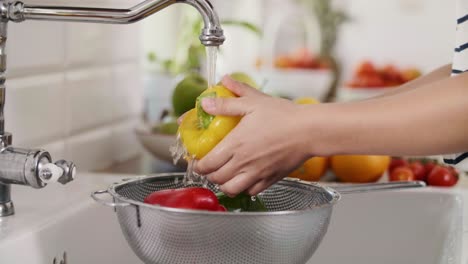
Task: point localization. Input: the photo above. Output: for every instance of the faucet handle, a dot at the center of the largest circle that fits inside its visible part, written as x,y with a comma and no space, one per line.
69,171
60,171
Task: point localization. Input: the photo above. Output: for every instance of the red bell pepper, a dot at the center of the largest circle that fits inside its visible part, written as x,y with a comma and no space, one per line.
186,198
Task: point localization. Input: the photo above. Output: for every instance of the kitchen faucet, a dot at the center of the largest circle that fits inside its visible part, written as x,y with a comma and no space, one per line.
34,167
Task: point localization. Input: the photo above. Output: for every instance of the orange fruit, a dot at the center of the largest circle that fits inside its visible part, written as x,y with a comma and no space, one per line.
312,170
359,168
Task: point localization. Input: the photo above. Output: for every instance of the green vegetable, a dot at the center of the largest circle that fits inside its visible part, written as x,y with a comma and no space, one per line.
203,117
242,202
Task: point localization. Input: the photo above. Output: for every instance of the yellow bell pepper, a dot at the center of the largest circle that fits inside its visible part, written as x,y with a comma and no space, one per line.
200,132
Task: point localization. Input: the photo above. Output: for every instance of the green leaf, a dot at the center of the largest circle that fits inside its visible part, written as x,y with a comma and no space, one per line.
242,202
249,26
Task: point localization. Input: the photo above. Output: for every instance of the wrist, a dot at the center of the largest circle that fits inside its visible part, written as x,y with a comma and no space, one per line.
313,130
324,129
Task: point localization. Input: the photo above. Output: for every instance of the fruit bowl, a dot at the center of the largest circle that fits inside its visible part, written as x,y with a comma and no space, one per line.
295,83
157,144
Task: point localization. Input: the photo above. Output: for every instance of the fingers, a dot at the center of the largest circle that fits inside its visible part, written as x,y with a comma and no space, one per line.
223,174
212,163
238,184
226,106
238,88
179,120
218,157
262,185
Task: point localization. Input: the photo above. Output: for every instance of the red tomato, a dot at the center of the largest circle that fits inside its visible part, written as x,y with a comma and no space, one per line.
366,67
369,80
429,166
453,170
402,174
391,74
397,162
441,176
418,170
185,198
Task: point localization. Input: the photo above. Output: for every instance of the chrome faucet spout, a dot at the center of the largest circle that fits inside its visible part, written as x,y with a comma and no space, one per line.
211,35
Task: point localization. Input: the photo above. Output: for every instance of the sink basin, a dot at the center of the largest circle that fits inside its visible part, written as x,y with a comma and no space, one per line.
416,226
404,227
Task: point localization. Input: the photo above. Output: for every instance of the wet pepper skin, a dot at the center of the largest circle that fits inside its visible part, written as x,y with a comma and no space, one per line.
201,132
186,198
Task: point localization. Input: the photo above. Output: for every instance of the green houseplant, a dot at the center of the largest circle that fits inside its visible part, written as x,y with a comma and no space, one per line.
190,53
330,20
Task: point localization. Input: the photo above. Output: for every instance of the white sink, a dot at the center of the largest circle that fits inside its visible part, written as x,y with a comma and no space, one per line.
392,227
405,227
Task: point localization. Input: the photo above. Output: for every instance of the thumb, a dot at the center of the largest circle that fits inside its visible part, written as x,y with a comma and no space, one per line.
225,106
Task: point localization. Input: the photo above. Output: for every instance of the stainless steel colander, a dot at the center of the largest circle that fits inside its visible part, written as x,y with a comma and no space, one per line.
290,232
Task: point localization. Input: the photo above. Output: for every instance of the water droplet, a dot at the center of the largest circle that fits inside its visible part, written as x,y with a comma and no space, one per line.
253,198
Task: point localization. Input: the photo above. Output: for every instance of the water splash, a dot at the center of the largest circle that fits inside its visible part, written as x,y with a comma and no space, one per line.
188,177
204,181
177,150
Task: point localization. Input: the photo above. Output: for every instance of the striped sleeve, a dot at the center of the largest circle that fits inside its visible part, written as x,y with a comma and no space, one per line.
459,66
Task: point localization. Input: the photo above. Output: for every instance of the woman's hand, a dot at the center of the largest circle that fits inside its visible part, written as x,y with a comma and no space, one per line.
268,143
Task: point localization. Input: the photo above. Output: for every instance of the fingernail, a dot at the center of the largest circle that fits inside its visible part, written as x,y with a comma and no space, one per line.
208,104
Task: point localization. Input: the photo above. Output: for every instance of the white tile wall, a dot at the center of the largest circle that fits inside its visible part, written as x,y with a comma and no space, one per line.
89,96
35,109
56,149
124,48
125,145
35,47
88,44
127,91
75,89
92,149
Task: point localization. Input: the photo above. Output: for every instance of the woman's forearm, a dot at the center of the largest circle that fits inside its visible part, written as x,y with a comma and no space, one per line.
436,75
430,119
